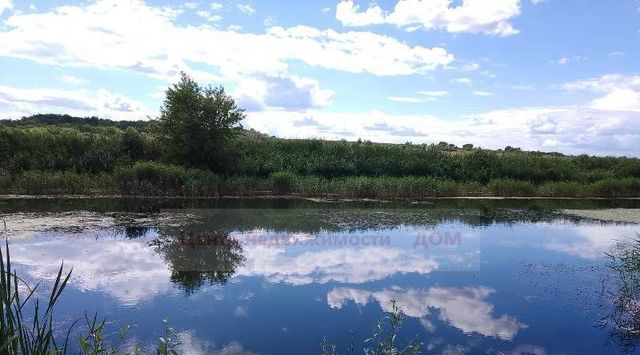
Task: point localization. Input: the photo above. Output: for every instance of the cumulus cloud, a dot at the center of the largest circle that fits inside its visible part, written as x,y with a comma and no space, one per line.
282,92
621,92
344,264
471,16
569,129
128,270
587,241
24,102
131,35
463,308
5,5
246,9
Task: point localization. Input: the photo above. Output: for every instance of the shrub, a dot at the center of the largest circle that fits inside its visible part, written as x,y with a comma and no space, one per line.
561,189
152,178
508,187
628,187
282,182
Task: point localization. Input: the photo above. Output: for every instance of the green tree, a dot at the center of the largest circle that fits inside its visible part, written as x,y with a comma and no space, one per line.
197,122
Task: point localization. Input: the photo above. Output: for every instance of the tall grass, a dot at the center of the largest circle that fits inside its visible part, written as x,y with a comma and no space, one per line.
382,340
17,334
153,178
508,187
27,324
282,182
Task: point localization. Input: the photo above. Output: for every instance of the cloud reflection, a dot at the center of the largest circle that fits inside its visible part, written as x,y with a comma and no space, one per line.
127,270
344,265
464,308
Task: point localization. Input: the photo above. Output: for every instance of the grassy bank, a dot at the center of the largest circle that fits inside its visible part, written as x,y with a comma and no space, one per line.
51,154
154,179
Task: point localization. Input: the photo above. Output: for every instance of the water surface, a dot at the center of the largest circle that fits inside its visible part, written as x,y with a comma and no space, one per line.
275,277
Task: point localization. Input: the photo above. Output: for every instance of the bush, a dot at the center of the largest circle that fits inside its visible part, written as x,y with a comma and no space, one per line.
152,178
45,182
282,182
629,187
561,189
513,188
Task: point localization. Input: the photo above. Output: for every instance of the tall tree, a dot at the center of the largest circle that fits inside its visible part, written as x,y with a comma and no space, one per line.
196,123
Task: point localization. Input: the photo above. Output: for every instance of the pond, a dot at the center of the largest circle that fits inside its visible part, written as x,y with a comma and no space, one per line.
278,276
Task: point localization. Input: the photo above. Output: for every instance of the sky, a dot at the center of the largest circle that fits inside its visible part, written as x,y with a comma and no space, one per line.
549,75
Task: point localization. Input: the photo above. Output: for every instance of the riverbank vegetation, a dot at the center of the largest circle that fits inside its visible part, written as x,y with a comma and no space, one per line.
197,148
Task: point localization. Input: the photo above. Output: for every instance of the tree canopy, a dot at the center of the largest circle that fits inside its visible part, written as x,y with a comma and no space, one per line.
196,123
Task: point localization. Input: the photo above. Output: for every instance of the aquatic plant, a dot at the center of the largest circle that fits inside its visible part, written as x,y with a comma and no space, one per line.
22,333
624,321
282,182
383,340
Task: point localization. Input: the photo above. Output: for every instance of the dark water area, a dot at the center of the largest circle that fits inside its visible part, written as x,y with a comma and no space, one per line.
278,276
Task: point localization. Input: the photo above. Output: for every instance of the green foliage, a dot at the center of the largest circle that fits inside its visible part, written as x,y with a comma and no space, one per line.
152,178
94,342
627,187
41,182
196,123
19,334
52,154
624,320
508,187
282,182
562,189
383,338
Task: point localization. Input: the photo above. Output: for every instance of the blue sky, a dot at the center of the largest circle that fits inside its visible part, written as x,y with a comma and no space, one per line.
552,75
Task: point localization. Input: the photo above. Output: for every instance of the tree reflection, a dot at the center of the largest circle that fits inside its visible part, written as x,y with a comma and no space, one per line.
624,320
199,258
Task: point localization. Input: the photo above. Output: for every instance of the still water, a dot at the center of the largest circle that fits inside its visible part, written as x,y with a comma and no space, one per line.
276,277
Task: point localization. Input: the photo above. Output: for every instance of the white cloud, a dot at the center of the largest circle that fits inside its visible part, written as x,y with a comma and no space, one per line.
617,54
190,5
72,79
414,100
470,67
5,5
216,6
246,9
424,96
463,308
209,16
482,93
281,92
569,129
472,16
24,102
130,35
463,81
269,21
621,92
438,93
538,2
567,60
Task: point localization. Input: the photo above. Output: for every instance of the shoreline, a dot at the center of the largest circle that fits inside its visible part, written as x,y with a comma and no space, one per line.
293,197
